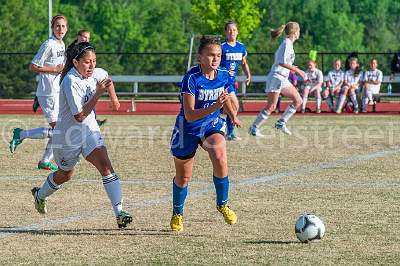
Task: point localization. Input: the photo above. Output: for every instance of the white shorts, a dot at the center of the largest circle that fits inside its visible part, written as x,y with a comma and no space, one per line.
274,84
50,107
67,157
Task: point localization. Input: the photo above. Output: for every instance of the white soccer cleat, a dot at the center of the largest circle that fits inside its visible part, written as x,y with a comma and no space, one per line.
282,127
253,131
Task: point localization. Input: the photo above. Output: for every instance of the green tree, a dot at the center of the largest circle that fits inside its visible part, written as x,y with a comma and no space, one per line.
209,16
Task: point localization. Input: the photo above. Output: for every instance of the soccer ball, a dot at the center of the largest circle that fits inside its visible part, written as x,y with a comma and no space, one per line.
309,227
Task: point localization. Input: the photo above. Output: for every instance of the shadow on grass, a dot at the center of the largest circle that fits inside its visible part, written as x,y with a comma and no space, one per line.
94,232
77,232
273,242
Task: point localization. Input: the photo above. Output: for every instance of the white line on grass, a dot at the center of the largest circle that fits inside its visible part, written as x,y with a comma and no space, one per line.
312,168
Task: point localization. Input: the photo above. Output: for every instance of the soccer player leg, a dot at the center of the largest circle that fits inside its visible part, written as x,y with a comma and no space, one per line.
353,98
95,152
214,143
342,99
230,132
317,94
305,98
183,148
294,95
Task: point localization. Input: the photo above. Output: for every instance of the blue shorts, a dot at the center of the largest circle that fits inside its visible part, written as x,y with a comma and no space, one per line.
184,144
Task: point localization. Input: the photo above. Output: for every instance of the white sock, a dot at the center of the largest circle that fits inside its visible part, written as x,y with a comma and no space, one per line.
112,186
353,98
48,152
369,95
48,187
36,133
304,104
289,112
339,104
260,119
318,103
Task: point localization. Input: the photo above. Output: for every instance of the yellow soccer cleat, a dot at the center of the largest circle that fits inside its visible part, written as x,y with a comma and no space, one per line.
177,223
229,215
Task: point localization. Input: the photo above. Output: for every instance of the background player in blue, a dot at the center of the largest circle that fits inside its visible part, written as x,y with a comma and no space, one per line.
205,90
234,54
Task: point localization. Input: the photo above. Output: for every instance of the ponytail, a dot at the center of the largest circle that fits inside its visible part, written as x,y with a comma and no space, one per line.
289,28
275,33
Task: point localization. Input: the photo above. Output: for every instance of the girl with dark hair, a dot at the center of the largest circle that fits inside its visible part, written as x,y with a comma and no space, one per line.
78,133
204,92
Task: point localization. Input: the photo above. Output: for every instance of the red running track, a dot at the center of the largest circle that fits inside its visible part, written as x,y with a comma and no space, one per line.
172,107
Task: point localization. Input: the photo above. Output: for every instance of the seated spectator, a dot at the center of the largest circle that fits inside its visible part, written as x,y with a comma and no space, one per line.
395,65
351,84
372,84
312,85
333,84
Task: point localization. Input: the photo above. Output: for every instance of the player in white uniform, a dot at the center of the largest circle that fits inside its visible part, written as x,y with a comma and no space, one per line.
98,73
277,80
77,131
351,84
313,83
333,84
372,84
48,62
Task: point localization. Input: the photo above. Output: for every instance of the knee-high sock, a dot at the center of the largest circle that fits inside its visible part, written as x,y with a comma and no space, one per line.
221,189
112,186
48,152
329,102
36,133
353,98
369,95
304,104
318,99
289,112
48,187
229,126
339,104
178,198
260,119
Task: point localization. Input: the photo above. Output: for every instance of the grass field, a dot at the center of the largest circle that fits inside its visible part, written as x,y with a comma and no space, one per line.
345,169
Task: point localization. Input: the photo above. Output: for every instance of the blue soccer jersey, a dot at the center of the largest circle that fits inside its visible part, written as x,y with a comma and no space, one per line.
232,56
206,93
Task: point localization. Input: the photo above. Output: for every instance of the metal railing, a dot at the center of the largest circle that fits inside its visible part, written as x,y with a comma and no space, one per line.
136,80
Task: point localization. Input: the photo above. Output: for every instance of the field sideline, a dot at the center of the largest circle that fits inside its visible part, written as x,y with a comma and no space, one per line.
342,168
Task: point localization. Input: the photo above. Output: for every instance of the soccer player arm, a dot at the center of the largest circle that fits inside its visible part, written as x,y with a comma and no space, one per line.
192,114
37,64
246,70
230,109
102,86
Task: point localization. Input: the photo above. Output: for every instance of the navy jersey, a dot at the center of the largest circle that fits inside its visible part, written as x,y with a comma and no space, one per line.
232,56
206,93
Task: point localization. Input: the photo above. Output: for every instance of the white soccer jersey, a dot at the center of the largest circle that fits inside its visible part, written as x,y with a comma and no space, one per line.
373,75
336,77
284,55
351,79
75,92
51,53
314,76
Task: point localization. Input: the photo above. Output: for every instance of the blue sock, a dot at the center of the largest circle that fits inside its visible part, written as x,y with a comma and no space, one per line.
229,126
222,189
178,198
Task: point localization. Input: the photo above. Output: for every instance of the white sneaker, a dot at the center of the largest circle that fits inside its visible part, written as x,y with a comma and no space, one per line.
253,131
283,128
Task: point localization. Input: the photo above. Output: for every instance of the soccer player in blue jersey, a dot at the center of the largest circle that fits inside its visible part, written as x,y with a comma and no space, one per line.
278,82
205,90
234,53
